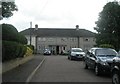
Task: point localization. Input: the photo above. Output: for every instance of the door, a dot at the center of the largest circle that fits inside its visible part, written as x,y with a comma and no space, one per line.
57,50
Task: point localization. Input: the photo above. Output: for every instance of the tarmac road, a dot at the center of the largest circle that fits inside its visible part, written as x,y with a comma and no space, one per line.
60,69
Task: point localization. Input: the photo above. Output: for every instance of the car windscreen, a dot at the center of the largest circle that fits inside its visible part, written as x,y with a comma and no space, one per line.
106,52
47,50
77,50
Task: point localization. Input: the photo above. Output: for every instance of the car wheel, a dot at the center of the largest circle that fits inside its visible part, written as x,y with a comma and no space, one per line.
68,57
115,78
86,66
97,71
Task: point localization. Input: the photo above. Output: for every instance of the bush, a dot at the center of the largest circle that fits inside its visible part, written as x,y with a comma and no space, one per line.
31,46
12,50
22,50
106,46
10,33
28,52
22,39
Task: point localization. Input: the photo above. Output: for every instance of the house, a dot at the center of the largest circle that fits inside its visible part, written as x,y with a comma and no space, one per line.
58,39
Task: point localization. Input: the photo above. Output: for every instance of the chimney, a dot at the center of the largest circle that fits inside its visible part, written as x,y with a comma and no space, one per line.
30,24
77,27
36,27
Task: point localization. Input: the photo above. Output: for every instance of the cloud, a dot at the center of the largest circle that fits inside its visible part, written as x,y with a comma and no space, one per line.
57,13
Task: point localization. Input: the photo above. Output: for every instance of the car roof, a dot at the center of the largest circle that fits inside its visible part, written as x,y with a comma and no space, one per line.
100,48
77,48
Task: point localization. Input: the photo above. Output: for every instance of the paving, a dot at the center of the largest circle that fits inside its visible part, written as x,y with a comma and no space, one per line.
22,72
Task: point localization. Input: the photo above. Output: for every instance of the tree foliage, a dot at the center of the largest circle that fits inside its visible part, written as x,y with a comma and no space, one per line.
7,9
108,25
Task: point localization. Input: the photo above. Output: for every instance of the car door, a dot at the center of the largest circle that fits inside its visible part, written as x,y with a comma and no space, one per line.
87,58
92,59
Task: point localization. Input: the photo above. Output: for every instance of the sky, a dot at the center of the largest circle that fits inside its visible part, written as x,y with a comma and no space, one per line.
56,13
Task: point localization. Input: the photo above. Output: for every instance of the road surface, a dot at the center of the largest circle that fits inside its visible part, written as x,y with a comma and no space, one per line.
60,69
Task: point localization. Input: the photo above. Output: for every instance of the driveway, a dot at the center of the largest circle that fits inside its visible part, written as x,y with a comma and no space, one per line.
60,69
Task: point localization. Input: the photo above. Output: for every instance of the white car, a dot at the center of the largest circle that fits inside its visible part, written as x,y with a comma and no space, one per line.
47,52
76,53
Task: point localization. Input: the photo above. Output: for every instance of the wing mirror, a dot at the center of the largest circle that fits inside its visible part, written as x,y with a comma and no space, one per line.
91,54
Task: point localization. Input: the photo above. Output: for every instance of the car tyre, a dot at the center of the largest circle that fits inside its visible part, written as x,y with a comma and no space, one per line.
86,66
115,78
70,58
97,70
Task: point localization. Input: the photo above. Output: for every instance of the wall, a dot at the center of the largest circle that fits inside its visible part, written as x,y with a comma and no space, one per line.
67,42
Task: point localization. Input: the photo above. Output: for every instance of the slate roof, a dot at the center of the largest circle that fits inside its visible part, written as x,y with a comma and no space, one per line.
58,32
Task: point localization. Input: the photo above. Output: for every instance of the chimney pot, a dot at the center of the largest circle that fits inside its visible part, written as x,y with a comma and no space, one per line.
36,26
77,27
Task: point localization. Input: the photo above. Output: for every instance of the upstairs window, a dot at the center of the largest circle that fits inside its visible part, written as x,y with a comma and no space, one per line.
86,39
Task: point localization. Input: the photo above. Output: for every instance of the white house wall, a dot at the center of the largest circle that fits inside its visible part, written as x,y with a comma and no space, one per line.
33,40
67,42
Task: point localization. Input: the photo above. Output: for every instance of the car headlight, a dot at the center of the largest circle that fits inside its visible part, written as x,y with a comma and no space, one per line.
103,63
73,54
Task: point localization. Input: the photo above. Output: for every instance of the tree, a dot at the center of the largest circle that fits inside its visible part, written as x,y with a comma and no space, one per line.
7,9
108,25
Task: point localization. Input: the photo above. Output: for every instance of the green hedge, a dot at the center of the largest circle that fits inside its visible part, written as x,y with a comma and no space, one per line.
106,46
10,33
12,50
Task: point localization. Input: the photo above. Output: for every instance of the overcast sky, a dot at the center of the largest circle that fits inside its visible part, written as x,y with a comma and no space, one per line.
56,13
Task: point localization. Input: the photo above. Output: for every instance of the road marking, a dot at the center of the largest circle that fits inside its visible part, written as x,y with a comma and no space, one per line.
34,71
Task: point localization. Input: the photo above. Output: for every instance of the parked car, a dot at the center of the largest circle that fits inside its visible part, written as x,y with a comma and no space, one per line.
47,52
76,53
116,70
99,59
119,52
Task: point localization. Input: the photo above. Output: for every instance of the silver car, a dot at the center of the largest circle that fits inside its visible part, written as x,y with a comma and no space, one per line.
47,52
76,53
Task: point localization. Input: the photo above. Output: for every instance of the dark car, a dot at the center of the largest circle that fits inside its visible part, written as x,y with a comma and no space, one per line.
99,59
116,70
47,52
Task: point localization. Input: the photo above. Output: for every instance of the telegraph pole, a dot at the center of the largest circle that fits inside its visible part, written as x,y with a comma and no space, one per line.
30,31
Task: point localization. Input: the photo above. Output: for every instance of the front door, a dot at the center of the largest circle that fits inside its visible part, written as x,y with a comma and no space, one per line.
57,50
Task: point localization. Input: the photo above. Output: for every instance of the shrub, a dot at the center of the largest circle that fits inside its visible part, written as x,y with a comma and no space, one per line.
10,33
22,50
31,46
9,49
12,50
28,52
106,46
22,39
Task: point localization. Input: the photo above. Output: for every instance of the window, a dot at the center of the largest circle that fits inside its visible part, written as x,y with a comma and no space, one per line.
39,39
50,39
63,39
44,39
86,39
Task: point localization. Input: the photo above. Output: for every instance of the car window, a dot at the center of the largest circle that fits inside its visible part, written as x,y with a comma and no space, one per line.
106,52
77,50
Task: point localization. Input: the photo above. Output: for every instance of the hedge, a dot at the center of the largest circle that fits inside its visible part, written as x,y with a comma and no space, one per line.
10,33
12,50
106,46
